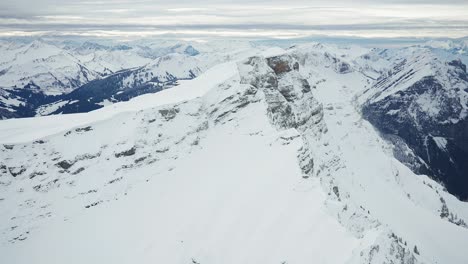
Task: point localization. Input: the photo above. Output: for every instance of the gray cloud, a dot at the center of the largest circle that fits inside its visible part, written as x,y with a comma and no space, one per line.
383,18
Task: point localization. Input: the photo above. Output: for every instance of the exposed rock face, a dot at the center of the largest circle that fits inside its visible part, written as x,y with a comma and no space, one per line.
431,118
290,103
169,114
462,68
288,95
281,64
344,67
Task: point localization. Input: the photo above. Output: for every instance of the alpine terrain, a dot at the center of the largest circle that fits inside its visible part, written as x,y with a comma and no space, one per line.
234,153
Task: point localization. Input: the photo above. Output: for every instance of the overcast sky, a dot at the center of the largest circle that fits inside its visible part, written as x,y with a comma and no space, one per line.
254,18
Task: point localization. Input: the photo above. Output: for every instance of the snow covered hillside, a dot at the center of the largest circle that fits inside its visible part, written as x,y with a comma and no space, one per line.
51,77
264,159
422,102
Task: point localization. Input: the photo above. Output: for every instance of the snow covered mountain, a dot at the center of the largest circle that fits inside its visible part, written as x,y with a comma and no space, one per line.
46,66
58,68
46,77
161,74
459,46
421,104
36,73
264,159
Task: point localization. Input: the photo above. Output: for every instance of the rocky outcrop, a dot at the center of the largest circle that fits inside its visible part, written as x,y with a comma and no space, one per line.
290,103
288,95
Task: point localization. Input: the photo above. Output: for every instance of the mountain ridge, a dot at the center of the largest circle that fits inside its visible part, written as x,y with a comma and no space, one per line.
263,162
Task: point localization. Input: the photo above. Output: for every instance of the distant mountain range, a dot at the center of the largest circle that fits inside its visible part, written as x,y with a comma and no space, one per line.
42,77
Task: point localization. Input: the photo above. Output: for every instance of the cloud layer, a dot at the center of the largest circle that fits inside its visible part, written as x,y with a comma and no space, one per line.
276,19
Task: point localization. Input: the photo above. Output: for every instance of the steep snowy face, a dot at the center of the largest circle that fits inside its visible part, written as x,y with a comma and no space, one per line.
421,103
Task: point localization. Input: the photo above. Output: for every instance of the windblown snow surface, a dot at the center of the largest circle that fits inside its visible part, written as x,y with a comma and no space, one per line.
262,160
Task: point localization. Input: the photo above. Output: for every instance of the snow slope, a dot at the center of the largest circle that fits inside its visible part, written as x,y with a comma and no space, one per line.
203,208
29,129
264,160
